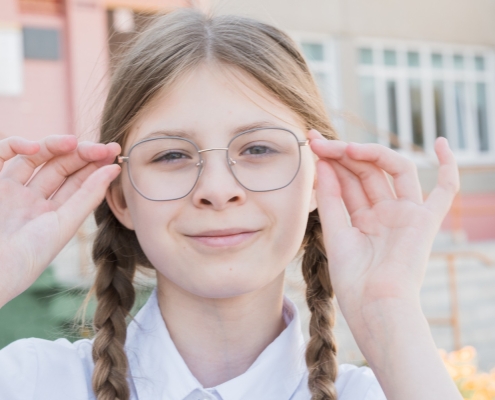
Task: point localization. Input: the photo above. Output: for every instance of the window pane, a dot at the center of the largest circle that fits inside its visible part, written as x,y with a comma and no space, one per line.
366,56
413,59
368,105
321,82
460,109
416,114
11,62
313,51
481,111
479,63
436,60
458,61
393,124
41,43
439,98
390,57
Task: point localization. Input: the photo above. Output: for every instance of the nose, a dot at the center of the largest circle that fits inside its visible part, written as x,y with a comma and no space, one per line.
217,187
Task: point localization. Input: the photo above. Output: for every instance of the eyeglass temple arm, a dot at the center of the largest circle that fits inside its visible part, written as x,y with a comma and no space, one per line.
121,159
303,142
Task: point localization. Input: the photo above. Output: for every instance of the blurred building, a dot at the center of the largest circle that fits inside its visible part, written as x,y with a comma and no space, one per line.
400,73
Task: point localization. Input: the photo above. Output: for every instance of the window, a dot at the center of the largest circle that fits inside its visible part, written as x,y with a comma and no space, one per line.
321,55
413,59
10,62
390,57
313,51
368,106
437,60
41,43
366,56
393,121
416,92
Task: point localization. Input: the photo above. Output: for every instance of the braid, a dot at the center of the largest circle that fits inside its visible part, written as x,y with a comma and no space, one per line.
115,257
322,349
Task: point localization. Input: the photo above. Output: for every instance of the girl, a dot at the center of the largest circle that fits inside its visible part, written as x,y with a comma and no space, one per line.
230,171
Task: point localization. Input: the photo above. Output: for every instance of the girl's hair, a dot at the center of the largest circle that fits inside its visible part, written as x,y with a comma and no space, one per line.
171,46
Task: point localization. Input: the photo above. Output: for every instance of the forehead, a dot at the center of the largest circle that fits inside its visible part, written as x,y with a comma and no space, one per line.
210,104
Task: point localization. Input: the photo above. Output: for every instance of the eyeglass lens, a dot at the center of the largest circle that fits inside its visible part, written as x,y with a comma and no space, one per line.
168,168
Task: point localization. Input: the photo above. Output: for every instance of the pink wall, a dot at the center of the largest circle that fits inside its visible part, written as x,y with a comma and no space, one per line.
477,216
88,63
8,11
41,109
63,96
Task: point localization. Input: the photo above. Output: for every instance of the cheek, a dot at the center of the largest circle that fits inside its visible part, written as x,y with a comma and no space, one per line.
151,221
293,206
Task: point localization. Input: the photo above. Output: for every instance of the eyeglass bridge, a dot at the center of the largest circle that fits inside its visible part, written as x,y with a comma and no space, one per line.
231,162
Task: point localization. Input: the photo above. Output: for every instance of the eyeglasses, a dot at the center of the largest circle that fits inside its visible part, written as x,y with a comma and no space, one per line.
168,168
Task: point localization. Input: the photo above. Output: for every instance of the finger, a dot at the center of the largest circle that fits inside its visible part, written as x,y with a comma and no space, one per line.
75,210
352,191
15,145
402,170
55,171
328,196
75,181
441,197
373,179
314,134
22,167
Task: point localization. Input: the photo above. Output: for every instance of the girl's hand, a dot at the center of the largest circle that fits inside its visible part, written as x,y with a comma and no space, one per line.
40,213
377,260
384,254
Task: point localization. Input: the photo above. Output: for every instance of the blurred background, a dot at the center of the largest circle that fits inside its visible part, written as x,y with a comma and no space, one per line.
397,72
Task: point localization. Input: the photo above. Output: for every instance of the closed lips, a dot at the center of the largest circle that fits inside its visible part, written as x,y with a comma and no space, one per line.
223,232
223,237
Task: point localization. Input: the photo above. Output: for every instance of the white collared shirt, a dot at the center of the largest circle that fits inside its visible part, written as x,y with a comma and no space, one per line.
59,370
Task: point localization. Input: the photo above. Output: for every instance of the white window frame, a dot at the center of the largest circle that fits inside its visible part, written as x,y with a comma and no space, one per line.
11,60
332,92
427,74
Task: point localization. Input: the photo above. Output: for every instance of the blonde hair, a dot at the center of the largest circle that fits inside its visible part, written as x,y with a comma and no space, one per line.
172,45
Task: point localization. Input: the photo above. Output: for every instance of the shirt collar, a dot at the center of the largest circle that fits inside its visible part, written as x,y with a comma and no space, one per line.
159,372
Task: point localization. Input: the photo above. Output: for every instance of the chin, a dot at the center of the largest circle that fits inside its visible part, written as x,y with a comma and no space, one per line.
221,282
229,284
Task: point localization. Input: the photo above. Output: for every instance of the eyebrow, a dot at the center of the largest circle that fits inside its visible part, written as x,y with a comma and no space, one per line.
188,135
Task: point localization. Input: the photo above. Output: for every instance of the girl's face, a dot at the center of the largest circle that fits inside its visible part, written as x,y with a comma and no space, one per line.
209,105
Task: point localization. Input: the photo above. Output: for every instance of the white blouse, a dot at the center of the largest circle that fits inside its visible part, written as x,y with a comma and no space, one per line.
59,370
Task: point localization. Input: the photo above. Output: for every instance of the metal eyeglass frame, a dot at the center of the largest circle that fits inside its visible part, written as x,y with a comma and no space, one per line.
200,164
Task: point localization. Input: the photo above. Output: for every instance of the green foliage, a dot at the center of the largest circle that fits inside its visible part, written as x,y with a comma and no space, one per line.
47,310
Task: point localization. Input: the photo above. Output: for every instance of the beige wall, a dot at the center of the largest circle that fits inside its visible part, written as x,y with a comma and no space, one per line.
456,21
320,16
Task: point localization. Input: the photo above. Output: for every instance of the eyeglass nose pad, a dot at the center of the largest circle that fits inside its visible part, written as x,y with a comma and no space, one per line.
200,166
231,162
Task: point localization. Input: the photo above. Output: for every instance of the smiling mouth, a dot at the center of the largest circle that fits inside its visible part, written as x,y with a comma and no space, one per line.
223,238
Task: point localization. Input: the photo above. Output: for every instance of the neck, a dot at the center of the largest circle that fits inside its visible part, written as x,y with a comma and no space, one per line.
220,339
